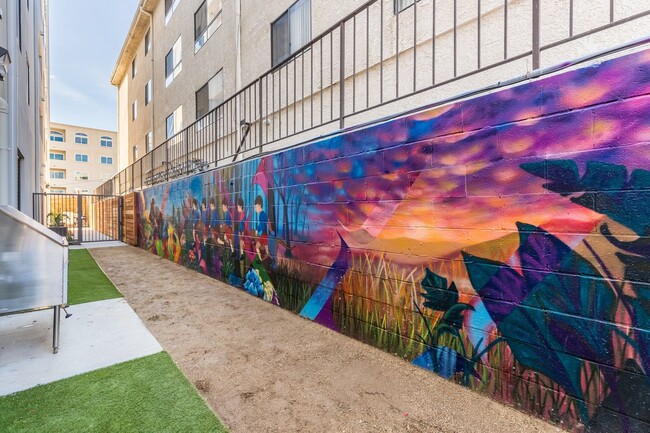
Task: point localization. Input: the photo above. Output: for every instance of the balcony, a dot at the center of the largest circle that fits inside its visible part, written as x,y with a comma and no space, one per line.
377,63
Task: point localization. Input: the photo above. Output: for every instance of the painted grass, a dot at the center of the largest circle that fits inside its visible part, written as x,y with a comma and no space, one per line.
375,306
86,282
149,394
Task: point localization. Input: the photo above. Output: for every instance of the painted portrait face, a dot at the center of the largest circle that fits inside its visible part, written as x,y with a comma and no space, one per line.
258,208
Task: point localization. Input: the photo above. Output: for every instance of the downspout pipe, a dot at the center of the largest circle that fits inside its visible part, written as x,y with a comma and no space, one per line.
38,137
5,153
238,128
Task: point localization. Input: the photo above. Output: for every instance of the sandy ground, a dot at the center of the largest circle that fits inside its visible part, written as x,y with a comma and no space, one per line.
264,369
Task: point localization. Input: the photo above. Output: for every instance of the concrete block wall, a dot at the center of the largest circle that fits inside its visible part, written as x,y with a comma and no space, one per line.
502,242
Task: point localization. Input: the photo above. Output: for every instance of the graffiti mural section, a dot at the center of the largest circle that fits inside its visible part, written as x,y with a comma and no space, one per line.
501,242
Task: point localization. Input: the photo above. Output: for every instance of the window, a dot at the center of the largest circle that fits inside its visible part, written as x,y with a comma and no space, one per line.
135,153
209,96
134,110
400,5
57,174
106,142
80,138
148,139
80,175
80,157
106,160
291,31
207,20
20,25
147,42
175,122
170,7
57,156
57,190
134,69
147,93
173,62
57,136
29,86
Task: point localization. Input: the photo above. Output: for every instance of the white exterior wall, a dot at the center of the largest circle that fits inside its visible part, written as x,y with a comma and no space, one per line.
371,77
28,111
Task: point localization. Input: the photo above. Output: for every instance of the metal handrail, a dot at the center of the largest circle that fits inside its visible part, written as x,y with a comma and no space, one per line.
316,87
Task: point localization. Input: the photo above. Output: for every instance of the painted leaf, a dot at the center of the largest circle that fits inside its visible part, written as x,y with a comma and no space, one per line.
501,288
640,246
543,312
438,296
606,186
454,315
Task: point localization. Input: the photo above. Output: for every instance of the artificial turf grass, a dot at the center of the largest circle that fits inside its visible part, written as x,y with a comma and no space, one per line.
86,282
148,394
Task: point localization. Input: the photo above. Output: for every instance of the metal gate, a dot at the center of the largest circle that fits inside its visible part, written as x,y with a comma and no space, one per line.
80,217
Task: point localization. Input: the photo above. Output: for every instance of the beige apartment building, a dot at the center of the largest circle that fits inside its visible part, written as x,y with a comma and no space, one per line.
80,158
278,72
24,101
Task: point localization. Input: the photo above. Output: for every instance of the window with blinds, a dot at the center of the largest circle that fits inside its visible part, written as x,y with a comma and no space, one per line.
291,31
207,20
173,62
210,95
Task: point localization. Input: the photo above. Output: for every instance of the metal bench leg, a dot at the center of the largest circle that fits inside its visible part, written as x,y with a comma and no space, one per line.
56,327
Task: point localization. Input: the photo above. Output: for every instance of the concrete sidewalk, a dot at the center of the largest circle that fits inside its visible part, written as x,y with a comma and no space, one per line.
98,334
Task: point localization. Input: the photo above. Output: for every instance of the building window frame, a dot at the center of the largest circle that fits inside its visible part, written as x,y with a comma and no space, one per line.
105,141
174,65
201,36
147,42
282,46
148,93
174,122
81,157
213,102
80,138
148,141
170,7
57,174
57,156
81,175
134,110
402,5
106,160
57,137
134,68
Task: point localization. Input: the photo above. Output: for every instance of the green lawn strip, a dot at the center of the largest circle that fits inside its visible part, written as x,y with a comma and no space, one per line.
149,394
86,282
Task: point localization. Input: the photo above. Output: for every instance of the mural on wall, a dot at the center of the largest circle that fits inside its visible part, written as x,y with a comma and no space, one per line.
502,242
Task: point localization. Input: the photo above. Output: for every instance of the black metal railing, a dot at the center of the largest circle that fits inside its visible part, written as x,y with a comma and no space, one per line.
374,58
80,217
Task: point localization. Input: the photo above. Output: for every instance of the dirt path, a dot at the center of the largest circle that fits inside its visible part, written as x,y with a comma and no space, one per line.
264,369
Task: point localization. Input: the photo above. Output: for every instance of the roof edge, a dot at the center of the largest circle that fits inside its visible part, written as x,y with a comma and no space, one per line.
140,19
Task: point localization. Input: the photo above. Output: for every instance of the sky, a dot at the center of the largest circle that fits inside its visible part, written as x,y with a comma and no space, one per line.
86,37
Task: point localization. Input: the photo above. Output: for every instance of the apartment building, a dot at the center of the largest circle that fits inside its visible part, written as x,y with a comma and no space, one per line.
80,158
284,71
24,100
182,58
